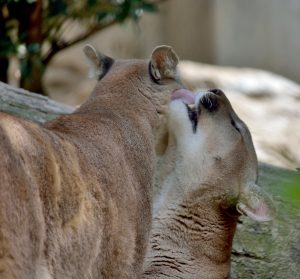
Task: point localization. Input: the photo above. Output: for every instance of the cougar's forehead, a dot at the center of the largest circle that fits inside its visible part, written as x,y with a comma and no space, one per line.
130,68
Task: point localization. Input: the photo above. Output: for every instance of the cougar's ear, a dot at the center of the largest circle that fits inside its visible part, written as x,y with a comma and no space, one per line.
163,64
99,63
256,203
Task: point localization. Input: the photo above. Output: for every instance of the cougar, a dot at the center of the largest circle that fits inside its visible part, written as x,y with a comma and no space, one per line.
76,193
207,179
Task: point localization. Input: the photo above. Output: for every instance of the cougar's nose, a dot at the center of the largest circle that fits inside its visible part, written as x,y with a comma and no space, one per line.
216,91
209,102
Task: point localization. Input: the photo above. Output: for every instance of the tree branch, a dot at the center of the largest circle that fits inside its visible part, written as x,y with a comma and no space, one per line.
60,45
31,106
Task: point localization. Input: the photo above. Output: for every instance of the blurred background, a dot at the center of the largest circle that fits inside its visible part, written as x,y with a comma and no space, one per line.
250,49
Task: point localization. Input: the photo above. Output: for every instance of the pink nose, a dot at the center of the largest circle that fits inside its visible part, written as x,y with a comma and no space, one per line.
186,96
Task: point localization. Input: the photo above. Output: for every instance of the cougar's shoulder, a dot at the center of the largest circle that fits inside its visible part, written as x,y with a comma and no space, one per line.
77,191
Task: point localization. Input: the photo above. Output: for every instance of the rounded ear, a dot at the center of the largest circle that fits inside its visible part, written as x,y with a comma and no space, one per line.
99,63
163,63
256,204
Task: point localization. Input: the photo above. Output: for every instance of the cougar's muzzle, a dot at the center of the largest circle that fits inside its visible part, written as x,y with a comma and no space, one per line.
206,101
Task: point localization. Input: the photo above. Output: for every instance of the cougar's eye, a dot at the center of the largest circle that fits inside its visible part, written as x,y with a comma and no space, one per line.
234,125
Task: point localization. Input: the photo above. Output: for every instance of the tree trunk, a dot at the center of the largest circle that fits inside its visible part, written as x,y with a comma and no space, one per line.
30,106
32,67
4,69
32,71
5,45
261,250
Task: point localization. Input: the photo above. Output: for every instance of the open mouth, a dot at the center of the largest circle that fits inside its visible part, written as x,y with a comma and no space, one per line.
194,103
193,115
188,98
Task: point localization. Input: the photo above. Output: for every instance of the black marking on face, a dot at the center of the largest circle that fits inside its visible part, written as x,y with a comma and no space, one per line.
106,64
193,116
232,122
210,102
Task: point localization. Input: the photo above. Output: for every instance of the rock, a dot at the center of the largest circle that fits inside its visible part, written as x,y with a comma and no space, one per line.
270,250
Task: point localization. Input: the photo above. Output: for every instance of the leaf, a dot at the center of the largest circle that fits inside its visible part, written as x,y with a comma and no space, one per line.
123,11
92,2
7,47
57,7
292,189
149,7
101,16
33,48
289,192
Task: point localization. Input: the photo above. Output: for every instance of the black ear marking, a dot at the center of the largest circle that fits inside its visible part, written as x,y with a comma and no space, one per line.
150,71
105,65
99,63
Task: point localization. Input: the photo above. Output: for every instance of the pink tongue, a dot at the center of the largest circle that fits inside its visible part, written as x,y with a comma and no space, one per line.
188,97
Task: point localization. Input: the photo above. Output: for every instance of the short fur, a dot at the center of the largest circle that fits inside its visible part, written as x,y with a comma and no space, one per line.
76,193
207,176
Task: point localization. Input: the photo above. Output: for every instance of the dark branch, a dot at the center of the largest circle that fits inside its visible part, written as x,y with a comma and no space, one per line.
60,45
57,45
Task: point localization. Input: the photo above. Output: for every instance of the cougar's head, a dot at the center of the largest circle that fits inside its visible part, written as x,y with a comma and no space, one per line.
216,149
138,86
155,79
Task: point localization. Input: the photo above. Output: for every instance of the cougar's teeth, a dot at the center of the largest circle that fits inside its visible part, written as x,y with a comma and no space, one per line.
191,106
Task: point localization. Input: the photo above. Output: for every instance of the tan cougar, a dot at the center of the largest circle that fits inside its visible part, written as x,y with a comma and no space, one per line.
208,178
76,193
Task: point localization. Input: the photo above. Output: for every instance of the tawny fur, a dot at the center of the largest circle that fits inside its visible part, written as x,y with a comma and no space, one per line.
205,177
76,193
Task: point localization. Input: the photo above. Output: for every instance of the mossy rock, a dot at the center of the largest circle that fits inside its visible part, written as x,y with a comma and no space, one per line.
271,250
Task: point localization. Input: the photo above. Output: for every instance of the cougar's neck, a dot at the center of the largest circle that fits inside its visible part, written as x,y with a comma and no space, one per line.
198,226
126,102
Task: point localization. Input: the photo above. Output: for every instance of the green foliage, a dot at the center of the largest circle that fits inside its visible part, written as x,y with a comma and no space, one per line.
56,13
37,27
289,192
292,190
